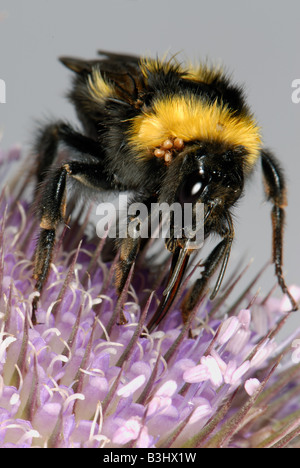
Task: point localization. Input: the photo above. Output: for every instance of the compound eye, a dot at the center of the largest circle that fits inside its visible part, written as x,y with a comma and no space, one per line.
191,189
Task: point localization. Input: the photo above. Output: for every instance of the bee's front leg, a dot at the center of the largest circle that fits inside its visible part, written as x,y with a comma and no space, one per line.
52,212
219,254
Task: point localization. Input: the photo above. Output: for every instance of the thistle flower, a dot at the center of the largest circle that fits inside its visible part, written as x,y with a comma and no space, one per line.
78,379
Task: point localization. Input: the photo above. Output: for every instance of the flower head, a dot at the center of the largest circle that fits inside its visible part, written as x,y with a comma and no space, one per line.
78,379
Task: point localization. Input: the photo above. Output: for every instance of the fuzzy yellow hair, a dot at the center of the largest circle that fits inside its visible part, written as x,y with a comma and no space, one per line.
190,118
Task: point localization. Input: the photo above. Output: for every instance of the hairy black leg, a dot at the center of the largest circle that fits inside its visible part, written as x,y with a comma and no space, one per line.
229,239
128,252
48,141
52,212
179,263
220,253
129,249
276,192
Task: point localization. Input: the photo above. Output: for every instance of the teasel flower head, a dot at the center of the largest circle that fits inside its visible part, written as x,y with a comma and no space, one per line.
79,379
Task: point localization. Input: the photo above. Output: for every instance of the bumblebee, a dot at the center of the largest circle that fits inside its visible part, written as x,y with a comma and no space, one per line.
167,133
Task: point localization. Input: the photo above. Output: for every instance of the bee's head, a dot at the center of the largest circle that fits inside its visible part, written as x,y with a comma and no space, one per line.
215,178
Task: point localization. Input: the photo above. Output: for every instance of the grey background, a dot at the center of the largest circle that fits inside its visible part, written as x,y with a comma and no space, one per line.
258,41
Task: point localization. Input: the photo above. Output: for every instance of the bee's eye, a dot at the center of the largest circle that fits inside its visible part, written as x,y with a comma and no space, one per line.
192,187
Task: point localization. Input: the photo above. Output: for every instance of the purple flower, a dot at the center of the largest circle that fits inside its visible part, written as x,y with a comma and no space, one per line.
78,379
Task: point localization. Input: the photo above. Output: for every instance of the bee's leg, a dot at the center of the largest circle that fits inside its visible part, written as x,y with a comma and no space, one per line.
179,263
52,212
130,247
276,192
46,146
220,253
128,252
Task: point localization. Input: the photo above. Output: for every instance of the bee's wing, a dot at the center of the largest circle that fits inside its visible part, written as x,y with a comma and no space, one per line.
117,57
78,65
121,70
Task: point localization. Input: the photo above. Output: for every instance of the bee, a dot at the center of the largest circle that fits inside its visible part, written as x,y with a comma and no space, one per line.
167,133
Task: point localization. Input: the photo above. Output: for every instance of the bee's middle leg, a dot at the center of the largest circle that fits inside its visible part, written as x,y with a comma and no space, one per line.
129,249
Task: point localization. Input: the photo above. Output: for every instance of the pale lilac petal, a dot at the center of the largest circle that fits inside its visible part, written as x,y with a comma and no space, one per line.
131,387
244,317
167,389
221,363
207,370
144,440
10,399
251,385
214,370
263,353
202,411
239,372
3,347
127,432
227,329
230,369
196,374
162,398
238,342
46,417
233,374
